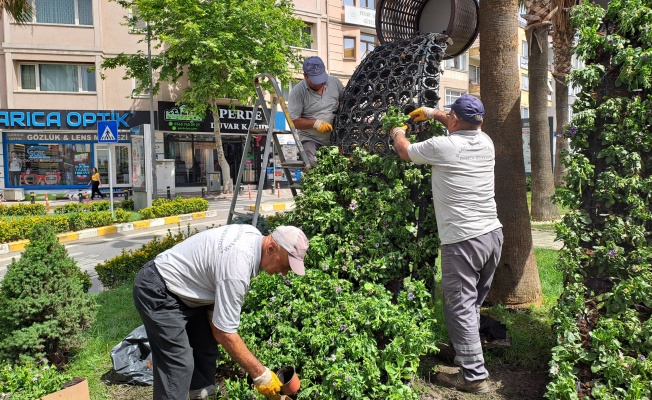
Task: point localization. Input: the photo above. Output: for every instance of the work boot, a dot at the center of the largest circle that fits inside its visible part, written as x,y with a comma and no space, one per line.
458,382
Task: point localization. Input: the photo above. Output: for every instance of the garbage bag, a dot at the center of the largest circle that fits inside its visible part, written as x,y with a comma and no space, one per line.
132,359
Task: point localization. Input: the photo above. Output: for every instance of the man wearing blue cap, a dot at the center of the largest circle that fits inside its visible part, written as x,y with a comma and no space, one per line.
467,221
312,105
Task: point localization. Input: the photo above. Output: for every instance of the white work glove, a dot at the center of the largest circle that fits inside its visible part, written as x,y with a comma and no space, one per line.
396,130
322,126
422,114
268,384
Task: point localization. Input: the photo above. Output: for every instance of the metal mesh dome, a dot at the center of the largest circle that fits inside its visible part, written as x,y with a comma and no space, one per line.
403,19
403,74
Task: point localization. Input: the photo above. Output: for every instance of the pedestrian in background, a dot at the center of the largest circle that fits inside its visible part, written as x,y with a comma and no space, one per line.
312,106
95,182
190,298
467,221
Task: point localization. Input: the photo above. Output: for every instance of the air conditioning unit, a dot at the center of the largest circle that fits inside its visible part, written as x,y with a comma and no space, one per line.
14,194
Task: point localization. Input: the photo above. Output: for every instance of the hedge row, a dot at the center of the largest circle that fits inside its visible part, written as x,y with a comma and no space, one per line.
165,207
21,210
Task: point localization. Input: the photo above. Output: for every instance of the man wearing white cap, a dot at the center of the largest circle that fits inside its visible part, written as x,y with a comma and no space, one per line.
190,297
312,105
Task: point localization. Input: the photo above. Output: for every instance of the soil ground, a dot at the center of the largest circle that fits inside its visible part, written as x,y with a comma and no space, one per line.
508,383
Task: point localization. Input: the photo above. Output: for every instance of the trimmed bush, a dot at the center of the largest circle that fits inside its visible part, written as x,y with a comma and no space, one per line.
44,310
165,208
124,267
22,209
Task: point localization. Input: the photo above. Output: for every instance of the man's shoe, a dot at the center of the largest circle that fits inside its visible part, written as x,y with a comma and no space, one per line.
458,382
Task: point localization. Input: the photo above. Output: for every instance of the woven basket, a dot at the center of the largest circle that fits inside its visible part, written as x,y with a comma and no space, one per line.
404,19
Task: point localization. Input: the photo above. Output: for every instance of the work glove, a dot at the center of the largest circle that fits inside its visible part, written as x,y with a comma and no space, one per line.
322,126
396,130
268,384
422,114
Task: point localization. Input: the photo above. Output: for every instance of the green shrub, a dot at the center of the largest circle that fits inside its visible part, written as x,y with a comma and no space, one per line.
602,320
164,207
22,209
124,267
127,205
44,310
30,380
103,205
19,228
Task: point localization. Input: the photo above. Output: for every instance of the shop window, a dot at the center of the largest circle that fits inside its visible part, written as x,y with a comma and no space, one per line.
57,77
367,44
349,48
64,12
48,164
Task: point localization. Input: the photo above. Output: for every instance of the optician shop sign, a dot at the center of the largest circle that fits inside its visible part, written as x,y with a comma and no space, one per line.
179,118
69,119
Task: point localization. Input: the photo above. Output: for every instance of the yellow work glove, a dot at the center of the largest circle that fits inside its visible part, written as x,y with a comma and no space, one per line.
396,130
322,126
268,384
422,114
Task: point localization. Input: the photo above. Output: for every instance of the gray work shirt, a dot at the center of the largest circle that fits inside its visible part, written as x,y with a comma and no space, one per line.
306,103
462,183
214,267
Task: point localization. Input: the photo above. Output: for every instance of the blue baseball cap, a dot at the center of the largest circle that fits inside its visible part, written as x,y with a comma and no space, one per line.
315,69
469,108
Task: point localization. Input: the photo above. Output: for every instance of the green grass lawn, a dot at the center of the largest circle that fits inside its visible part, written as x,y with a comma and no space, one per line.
529,329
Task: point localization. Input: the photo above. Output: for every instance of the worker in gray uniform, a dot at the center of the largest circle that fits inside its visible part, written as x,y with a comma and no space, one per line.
312,106
467,221
190,297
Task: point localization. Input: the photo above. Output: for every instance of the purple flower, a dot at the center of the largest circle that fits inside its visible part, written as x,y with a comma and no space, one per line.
342,328
410,296
360,237
642,358
287,282
377,245
612,253
338,289
348,378
272,299
572,131
277,315
353,205
332,340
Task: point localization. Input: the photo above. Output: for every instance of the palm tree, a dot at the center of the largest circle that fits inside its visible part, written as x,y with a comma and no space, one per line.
538,18
19,10
517,277
562,45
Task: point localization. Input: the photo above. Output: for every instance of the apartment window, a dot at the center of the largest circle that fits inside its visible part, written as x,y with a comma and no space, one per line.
458,62
57,77
349,47
306,36
65,12
525,113
367,4
349,2
144,89
367,44
452,95
525,50
525,82
474,74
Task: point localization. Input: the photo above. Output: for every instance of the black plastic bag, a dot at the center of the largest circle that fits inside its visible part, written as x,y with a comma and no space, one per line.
132,359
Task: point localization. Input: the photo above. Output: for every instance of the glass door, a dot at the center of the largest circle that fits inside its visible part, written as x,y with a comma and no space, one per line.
102,163
121,164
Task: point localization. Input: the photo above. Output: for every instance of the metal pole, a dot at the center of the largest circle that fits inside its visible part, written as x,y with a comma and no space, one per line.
152,122
111,183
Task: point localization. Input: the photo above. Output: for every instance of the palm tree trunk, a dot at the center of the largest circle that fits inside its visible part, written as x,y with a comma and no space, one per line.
543,185
516,282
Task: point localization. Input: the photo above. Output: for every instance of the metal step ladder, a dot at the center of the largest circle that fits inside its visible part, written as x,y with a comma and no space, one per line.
269,114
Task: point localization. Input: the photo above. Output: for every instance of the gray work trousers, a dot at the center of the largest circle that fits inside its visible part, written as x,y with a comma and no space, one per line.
184,351
310,148
467,271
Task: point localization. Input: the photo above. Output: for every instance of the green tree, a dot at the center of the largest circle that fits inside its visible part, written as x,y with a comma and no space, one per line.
218,47
44,308
537,30
517,278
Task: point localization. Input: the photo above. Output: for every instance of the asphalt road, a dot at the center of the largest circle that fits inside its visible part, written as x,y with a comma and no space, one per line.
92,251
